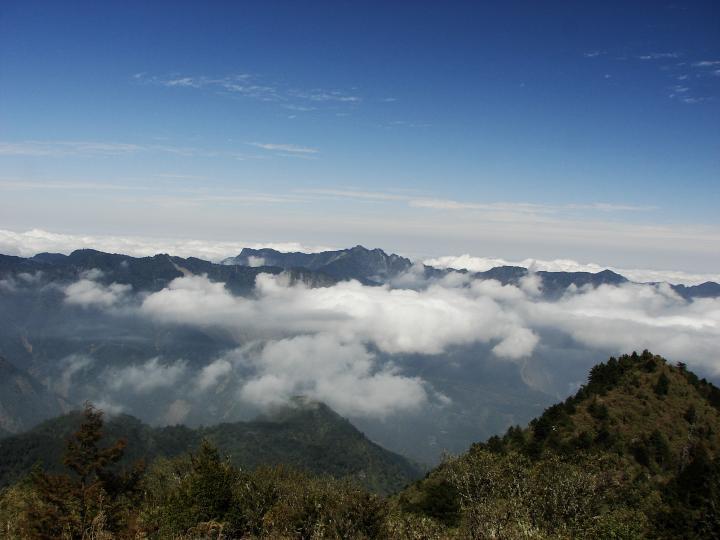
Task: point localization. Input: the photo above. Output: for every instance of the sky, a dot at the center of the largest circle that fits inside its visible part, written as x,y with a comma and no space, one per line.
585,131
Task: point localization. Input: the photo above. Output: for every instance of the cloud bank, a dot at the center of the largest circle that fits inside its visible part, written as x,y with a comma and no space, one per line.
338,344
481,264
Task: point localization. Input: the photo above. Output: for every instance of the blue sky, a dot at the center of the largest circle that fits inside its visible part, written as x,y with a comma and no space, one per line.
513,129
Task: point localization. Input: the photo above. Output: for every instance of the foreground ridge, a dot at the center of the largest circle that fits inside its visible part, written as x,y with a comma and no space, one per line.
633,454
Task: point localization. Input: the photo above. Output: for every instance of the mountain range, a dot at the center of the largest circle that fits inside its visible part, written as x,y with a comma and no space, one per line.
57,354
374,266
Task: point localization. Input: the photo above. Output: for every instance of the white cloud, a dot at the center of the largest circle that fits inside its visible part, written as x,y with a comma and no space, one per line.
87,292
482,264
62,148
143,378
255,262
72,365
659,56
340,344
394,320
707,63
317,342
7,285
525,208
343,375
291,148
350,319
517,344
252,86
634,317
211,374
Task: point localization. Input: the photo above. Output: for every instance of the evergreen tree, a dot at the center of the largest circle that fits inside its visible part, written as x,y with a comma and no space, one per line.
92,496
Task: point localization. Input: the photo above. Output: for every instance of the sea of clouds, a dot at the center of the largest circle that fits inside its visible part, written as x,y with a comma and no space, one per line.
340,344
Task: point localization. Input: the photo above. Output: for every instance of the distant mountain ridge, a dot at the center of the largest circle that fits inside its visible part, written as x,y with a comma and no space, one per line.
309,436
366,265
373,266
145,273
369,266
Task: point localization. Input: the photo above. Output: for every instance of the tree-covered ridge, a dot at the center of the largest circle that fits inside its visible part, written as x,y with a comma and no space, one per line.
626,403
308,437
634,453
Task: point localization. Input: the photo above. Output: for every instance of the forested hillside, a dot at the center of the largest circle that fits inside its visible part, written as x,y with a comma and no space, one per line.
634,453
309,437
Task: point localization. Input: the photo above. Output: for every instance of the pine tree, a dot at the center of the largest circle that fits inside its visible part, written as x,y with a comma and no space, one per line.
68,505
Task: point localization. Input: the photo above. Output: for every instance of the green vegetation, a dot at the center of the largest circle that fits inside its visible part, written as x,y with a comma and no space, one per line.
633,454
310,437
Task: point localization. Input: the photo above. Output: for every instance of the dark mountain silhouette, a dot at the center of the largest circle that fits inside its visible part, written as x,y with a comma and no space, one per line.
365,265
308,436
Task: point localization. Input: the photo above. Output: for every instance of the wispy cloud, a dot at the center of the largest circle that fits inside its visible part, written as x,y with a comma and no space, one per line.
288,148
696,85
94,148
525,207
69,186
659,56
707,63
355,194
256,87
609,207
405,123
108,149
61,148
320,95
416,201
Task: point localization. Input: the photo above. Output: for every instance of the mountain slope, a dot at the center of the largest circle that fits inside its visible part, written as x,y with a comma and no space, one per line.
365,265
24,401
310,436
637,449
145,273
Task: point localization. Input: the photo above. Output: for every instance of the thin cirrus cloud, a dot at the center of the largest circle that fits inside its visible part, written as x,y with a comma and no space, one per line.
94,148
449,204
707,63
62,148
250,86
58,149
672,64
659,56
285,148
